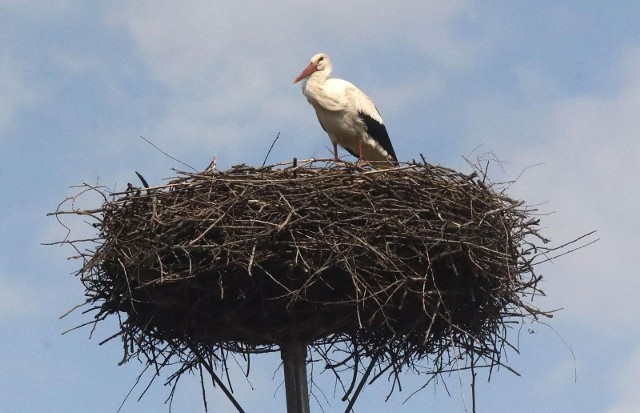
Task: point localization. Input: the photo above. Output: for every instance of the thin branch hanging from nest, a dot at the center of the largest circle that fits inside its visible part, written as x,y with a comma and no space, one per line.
399,267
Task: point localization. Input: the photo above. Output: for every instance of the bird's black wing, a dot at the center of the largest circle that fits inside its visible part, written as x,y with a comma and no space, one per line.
379,133
351,152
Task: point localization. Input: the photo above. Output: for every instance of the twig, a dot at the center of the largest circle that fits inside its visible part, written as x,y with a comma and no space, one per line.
363,381
167,155
269,151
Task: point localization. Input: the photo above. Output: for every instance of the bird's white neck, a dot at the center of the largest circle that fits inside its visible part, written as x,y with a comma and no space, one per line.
312,85
319,76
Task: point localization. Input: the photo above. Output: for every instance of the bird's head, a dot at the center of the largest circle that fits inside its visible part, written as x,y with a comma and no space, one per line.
319,63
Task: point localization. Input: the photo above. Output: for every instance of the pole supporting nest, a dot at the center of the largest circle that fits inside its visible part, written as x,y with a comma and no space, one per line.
294,360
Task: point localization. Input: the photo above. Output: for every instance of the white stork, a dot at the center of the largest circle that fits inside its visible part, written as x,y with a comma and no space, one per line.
347,115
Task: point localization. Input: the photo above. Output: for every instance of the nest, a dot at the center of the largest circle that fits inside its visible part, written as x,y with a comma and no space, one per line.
399,266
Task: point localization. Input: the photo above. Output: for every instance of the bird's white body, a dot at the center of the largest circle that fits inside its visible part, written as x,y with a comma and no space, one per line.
347,115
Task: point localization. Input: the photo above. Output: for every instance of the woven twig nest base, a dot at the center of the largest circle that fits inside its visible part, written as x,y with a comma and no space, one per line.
396,266
415,254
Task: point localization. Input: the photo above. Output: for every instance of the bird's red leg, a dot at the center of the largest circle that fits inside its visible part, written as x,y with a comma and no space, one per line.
360,147
335,151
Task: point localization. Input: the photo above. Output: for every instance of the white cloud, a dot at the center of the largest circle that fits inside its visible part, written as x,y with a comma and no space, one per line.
228,66
40,8
16,300
199,41
589,146
16,92
628,383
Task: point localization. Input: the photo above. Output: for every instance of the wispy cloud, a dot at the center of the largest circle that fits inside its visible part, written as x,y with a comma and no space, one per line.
628,383
551,84
16,300
226,67
588,145
16,91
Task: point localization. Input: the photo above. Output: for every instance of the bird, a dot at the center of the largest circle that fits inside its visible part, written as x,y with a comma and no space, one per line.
346,114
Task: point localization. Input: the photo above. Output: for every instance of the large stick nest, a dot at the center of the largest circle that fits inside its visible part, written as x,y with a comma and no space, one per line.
403,264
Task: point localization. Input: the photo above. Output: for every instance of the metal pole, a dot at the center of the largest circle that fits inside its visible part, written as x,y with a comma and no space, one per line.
294,360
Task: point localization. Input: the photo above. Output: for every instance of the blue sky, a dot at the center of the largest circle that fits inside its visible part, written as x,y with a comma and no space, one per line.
552,84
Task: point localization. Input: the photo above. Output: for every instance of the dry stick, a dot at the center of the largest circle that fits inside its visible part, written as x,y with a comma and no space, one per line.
202,389
362,383
269,151
356,362
144,181
166,154
132,388
217,381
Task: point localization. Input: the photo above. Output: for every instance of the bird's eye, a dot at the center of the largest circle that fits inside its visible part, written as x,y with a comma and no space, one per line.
321,59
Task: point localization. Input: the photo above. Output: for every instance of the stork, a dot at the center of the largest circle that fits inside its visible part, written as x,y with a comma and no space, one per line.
347,115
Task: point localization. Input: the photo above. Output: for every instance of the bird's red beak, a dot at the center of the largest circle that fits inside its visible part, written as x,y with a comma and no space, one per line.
306,72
